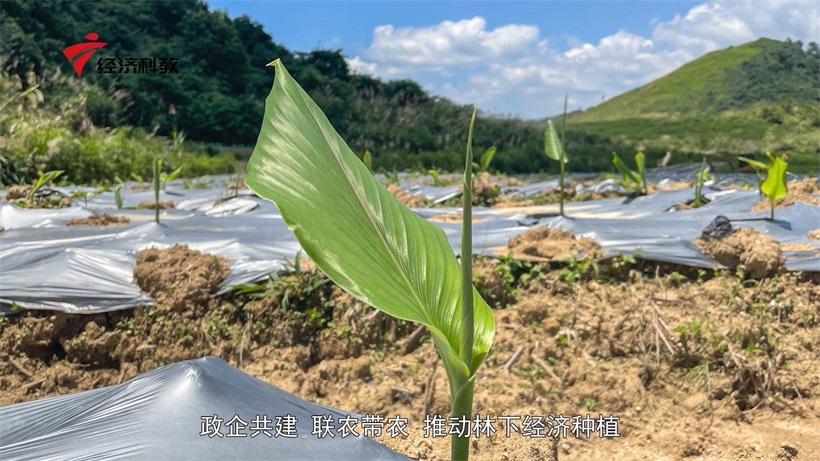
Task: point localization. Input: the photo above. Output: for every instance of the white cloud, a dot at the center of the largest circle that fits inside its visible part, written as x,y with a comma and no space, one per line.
513,70
449,43
719,24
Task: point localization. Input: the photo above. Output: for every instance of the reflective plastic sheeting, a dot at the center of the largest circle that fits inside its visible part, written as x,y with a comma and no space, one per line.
45,264
159,416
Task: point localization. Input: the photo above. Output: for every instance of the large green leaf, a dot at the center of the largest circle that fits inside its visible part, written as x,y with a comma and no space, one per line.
552,144
367,242
774,186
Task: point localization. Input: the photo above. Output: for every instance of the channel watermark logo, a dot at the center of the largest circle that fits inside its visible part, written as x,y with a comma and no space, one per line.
79,54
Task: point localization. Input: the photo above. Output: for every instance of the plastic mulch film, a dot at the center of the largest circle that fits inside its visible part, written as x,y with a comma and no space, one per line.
45,264
187,410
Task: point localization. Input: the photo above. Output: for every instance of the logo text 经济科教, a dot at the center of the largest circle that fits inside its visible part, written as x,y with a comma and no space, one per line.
137,65
79,54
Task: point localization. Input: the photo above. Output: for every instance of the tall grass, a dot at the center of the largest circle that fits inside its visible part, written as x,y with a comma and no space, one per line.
55,133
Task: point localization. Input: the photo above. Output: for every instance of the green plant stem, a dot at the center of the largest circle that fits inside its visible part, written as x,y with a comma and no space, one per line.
563,156
461,391
561,188
156,190
461,401
771,217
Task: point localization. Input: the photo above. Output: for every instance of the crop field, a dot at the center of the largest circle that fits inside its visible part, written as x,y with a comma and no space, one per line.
349,268
698,335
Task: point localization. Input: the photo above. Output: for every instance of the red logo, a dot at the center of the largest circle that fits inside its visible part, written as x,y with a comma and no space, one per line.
80,53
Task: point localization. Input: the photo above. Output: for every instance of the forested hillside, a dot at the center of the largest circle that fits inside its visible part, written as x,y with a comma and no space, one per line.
219,90
763,95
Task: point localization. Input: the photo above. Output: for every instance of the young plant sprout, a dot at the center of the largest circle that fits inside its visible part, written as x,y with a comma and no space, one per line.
366,241
634,181
554,148
43,179
435,172
161,178
701,177
85,195
775,185
484,163
165,177
118,195
759,167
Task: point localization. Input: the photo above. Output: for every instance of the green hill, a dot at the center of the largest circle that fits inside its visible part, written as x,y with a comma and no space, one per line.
755,97
763,95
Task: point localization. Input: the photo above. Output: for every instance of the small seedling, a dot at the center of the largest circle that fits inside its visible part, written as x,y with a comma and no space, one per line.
775,185
118,199
759,168
701,177
631,180
84,195
484,163
435,174
554,148
165,177
43,179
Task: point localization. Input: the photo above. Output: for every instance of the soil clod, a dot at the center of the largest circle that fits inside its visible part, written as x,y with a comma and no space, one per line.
102,219
757,255
545,244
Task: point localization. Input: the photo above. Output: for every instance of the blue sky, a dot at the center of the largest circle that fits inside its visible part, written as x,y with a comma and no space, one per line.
520,58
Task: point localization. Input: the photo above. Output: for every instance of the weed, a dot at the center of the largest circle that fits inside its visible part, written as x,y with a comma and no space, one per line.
577,269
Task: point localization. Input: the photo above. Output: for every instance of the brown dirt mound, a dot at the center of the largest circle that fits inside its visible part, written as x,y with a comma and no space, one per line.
485,190
149,205
799,191
233,185
545,244
676,185
16,192
554,196
786,201
21,196
756,254
804,186
814,234
452,218
99,220
140,188
179,277
512,203
412,201
797,247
